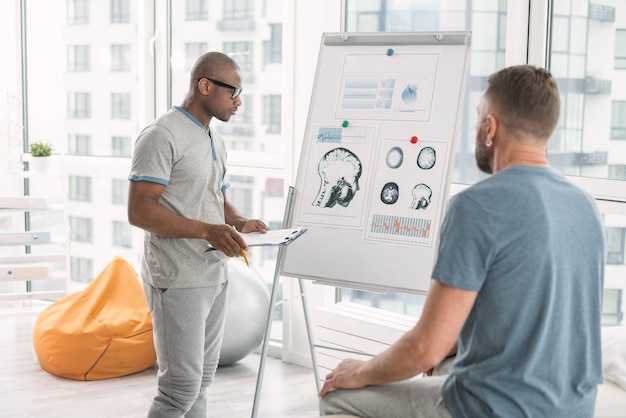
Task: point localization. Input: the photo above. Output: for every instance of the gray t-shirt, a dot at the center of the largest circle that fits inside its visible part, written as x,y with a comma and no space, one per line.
534,247
176,151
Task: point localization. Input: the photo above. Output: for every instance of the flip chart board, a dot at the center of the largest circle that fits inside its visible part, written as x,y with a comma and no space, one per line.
376,160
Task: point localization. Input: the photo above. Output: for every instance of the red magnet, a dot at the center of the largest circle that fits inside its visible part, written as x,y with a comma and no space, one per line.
414,140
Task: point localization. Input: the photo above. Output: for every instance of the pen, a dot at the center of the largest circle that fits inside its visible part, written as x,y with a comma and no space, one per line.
245,257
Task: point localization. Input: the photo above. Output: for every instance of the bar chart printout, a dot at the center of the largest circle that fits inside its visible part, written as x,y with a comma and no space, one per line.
400,229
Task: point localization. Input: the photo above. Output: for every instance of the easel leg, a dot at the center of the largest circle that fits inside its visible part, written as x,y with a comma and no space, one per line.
266,339
309,333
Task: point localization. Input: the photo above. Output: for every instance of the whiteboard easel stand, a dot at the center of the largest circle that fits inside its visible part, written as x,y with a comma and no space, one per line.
272,305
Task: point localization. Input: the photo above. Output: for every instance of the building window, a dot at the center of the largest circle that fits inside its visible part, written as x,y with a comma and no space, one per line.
120,11
617,172
81,229
120,58
82,269
78,105
120,105
620,49
615,245
240,193
196,10
78,58
77,12
119,189
238,9
618,120
241,52
120,146
271,113
273,48
192,51
122,235
79,144
80,188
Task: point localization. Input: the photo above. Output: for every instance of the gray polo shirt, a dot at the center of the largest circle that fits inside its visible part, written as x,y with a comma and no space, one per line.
176,151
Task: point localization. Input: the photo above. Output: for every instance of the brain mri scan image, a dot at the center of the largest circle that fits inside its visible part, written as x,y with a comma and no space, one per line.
395,156
421,197
426,158
390,193
339,170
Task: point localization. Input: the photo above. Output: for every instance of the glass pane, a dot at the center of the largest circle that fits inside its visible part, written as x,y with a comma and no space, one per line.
615,276
586,49
82,97
252,36
487,21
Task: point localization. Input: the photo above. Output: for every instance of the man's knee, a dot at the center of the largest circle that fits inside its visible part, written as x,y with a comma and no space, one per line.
184,393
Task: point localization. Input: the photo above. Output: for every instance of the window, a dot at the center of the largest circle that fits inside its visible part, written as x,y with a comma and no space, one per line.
78,58
79,144
77,12
119,188
82,269
616,247
70,70
240,193
193,50
120,58
367,16
273,48
81,229
120,106
238,9
618,119
271,113
617,171
120,11
122,236
80,188
241,52
620,49
120,146
78,105
196,10
488,22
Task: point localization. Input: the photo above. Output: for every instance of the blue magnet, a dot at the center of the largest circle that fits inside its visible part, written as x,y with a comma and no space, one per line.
390,52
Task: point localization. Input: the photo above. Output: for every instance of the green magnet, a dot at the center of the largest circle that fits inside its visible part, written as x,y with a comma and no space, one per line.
345,123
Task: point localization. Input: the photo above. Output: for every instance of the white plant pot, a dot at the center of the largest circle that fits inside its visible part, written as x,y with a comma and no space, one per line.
39,164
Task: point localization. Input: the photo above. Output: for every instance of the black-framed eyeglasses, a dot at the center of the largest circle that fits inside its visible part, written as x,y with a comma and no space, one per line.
236,90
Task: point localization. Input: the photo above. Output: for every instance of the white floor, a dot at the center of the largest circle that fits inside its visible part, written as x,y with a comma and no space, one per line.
26,390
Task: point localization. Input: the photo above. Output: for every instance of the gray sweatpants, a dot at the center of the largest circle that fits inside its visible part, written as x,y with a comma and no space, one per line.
419,397
188,328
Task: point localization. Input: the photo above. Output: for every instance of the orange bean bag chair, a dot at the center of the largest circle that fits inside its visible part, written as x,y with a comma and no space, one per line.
101,332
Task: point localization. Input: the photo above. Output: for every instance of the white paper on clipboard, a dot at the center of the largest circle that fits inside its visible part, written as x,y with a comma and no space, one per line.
272,237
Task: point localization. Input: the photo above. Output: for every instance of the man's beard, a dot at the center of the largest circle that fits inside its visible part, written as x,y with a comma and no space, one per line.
484,154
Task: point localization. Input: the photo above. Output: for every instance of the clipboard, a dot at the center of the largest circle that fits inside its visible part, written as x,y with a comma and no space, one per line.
272,237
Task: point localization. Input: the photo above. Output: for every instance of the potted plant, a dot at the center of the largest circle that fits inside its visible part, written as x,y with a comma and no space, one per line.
41,152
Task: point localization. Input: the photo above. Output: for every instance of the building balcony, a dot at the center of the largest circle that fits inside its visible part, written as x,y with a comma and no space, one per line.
590,158
601,13
236,25
597,86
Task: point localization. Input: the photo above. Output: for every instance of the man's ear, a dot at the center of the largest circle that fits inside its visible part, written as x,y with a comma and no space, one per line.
492,126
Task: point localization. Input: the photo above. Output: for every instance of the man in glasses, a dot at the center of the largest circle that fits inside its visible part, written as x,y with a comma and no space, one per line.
177,195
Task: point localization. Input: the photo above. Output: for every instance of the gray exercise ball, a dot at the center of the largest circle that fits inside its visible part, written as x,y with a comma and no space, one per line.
246,314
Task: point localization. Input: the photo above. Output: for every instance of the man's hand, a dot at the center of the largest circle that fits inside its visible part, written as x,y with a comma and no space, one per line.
226,239
254,225
345,376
